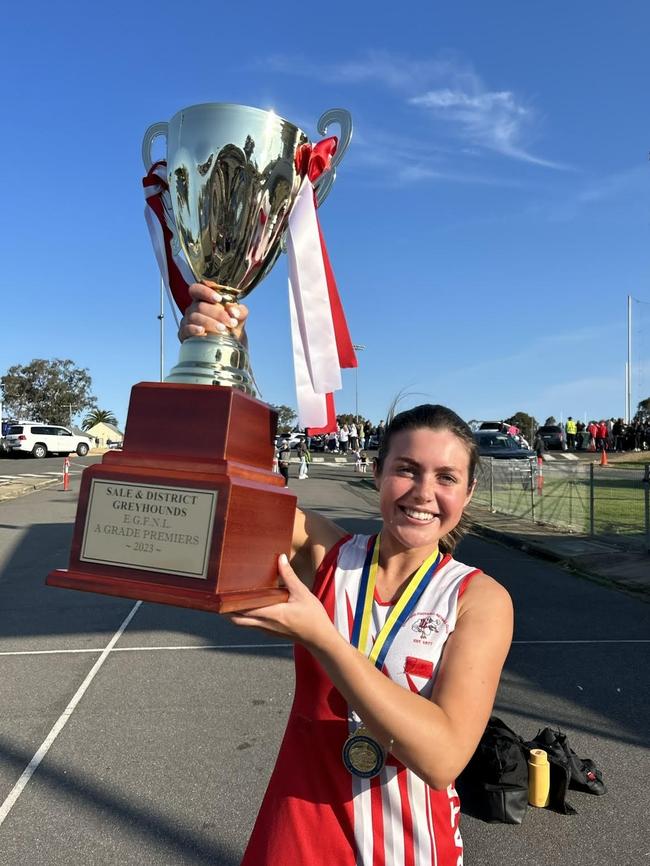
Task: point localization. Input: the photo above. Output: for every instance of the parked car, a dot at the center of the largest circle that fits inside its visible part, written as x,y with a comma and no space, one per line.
318,442
553,436
41,439
294,439
492,443
493,425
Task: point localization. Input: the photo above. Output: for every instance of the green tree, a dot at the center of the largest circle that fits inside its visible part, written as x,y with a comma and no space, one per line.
286,418
349,418
49,391
99,416
526,423
643,409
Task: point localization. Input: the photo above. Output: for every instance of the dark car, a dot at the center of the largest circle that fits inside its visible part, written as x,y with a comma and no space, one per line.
552,436
493,425
318,442
492,443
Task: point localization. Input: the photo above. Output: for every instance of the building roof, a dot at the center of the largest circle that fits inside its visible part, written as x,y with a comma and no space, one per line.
103,425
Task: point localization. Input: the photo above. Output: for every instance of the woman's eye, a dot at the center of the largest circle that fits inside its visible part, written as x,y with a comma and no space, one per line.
448,479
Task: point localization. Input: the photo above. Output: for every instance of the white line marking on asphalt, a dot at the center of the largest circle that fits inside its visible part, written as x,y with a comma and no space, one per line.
131,649
30,769
254,646
634,640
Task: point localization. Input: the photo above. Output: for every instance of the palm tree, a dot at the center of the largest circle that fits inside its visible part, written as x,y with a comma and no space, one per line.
97,416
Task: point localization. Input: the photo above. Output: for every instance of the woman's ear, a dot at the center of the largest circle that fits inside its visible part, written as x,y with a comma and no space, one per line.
470,492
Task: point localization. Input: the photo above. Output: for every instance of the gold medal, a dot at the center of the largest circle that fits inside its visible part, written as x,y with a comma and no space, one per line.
363,756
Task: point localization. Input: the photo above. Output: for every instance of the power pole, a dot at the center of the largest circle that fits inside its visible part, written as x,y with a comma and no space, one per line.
357,348
628,366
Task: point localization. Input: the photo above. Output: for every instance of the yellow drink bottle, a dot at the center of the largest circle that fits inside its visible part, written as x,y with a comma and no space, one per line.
539,778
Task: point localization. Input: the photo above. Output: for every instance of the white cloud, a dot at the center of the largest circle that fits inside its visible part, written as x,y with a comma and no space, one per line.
494,120
478,118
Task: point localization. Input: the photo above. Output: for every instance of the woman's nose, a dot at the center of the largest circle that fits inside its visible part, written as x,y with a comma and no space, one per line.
426,488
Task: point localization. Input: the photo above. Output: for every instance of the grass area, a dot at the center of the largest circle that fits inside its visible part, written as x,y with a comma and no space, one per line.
619,503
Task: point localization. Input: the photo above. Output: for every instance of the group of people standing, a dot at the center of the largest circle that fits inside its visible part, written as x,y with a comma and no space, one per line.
607,435
352,437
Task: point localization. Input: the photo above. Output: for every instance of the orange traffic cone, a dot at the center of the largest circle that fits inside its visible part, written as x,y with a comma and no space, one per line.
603,458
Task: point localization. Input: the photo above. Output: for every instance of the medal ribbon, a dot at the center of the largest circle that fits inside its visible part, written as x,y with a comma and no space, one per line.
400,612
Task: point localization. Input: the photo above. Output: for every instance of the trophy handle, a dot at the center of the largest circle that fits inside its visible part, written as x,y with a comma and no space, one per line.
154,131
344,119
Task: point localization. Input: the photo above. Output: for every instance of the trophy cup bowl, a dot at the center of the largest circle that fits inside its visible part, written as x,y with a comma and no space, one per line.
233,179
190,512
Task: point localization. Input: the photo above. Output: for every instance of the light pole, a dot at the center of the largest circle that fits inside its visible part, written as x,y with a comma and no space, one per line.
357,348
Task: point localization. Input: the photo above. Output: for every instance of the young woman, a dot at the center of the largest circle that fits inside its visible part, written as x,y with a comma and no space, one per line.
399,649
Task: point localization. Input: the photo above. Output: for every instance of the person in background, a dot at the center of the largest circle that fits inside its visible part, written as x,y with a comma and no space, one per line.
284,458
593,435
571,430
367,432
354,437
303,456
344,438
539,446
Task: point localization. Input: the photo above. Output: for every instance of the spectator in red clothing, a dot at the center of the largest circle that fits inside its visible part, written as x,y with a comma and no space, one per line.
593,435
602,437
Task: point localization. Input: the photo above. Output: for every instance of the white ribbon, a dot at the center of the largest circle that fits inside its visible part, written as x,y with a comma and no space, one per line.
315,355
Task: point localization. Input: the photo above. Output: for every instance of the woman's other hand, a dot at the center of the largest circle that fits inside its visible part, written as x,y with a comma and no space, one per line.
208,314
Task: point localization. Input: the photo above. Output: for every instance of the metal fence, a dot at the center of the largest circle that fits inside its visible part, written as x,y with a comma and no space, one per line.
606,501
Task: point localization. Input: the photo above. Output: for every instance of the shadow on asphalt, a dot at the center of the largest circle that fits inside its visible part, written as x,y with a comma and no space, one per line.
64,783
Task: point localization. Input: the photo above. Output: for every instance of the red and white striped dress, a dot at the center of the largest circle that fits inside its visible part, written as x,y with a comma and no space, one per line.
315,813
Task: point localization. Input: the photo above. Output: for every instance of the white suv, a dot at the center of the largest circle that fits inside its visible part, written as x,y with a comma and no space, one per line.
41,439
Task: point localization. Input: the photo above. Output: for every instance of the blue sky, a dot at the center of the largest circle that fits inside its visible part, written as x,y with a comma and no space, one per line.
486,225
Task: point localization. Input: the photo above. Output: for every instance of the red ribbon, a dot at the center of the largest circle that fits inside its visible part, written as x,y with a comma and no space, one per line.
177,283
313,160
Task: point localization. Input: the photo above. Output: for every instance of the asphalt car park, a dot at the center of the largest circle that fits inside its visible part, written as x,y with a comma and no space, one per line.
145,734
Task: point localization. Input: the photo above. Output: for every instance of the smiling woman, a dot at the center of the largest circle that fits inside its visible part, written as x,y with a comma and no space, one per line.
399,650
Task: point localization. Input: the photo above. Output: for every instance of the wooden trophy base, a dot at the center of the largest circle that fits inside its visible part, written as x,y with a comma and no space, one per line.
190,512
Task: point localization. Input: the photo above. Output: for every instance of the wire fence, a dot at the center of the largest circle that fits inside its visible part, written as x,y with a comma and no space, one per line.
606,501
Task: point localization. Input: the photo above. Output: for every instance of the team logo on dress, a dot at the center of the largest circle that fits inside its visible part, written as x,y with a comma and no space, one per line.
427,626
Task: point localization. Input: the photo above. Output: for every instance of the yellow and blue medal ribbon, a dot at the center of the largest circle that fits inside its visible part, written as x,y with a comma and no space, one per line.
401,611
362,755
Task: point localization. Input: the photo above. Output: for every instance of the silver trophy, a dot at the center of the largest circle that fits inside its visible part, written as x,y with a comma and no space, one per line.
233,180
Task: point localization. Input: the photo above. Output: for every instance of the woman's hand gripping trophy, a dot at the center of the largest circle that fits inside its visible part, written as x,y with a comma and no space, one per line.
208,314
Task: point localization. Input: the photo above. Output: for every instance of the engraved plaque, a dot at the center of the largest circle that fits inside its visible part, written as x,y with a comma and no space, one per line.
150,527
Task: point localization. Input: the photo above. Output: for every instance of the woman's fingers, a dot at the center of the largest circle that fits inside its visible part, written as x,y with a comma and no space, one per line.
208,314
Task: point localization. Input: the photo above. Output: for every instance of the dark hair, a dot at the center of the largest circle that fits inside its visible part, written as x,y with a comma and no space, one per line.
434,417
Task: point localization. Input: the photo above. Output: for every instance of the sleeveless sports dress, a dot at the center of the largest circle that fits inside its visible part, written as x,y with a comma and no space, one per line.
314,812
